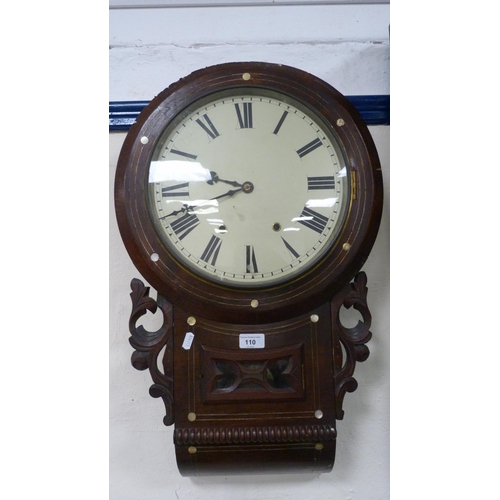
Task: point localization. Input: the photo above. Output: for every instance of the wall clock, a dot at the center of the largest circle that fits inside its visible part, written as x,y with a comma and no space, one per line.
249,195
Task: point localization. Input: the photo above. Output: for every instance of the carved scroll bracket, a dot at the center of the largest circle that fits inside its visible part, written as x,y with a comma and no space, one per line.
353,340
149,345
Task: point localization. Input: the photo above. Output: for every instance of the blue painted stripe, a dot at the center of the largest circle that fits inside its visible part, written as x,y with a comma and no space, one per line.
122,114
374,109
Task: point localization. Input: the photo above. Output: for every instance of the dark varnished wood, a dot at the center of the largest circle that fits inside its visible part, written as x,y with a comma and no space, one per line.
262,429
263,410
352,339
222,303
283,428
149,345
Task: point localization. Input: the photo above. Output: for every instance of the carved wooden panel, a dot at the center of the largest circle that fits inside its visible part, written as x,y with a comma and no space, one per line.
272,374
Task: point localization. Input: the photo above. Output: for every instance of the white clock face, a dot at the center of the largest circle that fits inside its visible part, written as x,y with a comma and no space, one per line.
248,189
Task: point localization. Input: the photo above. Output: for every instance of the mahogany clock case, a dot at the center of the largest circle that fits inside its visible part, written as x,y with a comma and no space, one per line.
273,408
286,300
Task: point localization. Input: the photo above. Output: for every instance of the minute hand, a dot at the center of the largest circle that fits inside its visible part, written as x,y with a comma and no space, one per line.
247,188
231,192
186,208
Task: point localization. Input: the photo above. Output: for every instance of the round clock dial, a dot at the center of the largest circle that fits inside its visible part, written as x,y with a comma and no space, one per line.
249,188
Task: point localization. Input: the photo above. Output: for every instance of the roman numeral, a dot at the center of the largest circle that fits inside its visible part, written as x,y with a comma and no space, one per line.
184,225
177,190
182,153
313,220
282,119
327,182
212,250
209,128
244,119
305,150
251,262
290,248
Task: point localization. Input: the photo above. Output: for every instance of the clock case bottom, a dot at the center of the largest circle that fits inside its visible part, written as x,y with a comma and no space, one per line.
252,410
256,459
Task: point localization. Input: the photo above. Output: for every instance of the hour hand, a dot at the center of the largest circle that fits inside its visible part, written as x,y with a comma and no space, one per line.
215,178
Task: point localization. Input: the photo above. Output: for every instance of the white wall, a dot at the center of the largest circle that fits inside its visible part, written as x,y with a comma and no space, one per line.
347,45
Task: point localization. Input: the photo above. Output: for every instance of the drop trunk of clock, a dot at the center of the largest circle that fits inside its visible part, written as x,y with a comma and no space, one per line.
252,398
